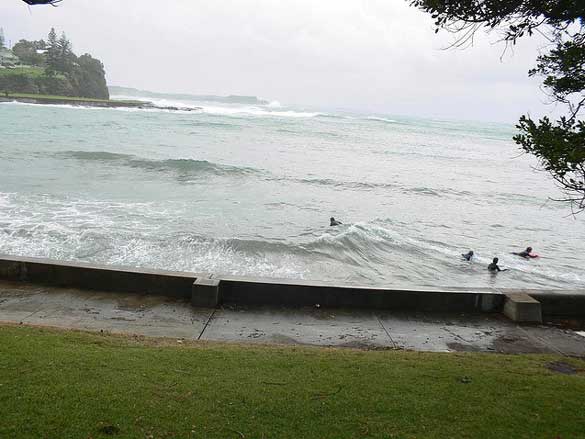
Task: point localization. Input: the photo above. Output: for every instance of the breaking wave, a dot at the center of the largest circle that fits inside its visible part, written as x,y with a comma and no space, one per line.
381,119
128,234
176,107
184,166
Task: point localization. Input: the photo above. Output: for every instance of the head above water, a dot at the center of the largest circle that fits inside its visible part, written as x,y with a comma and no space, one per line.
528,249
495,261
331,219
470,253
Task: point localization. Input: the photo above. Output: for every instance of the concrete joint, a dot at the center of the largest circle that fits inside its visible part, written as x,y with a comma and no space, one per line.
522,308
206,293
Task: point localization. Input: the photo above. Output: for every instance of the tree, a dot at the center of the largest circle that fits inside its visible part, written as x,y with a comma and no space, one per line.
89,77
560,145
65,56
1,38
28,52
52,53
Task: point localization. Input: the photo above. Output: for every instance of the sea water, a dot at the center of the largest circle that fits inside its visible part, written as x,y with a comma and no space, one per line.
248,188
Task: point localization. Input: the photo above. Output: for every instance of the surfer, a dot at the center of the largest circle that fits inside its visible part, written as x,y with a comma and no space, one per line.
494,268
334,222
526,254
467,256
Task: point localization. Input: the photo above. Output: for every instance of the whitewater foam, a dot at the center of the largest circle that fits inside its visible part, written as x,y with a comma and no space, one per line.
225,110
381,119
110,188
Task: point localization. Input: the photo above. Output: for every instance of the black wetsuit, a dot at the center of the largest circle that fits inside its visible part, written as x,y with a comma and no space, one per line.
335,223
467,256
494,267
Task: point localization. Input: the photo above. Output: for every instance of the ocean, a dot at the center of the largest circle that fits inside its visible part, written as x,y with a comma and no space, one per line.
246,187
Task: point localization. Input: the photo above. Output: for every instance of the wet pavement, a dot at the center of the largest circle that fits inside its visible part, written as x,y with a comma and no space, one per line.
157,316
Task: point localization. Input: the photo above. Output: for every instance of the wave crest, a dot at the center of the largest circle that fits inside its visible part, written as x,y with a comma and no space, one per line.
189,167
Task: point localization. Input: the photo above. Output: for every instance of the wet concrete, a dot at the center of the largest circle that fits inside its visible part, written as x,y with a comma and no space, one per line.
308,326
159,316
93,310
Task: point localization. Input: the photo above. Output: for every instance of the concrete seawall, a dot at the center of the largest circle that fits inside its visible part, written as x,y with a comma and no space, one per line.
241,290
211,290
93,277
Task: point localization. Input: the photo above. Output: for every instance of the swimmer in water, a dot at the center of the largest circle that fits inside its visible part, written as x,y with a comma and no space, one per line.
526,254
334,222
494,268
467,256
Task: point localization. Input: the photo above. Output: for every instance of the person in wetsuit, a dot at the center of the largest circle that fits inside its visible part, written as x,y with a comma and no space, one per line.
467,256
526,254
494,268
334,222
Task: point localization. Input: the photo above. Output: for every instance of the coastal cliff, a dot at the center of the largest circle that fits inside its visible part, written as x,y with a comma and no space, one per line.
51,68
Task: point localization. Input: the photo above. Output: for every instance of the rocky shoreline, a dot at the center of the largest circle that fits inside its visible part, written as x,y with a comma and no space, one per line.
142,105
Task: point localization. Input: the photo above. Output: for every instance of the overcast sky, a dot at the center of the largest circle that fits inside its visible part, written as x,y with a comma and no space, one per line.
367,55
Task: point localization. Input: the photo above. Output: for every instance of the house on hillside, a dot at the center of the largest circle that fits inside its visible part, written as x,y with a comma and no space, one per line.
7,58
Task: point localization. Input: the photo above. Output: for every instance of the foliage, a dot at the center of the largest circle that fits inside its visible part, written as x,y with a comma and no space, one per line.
27,52
52,53
66,59
89,76
66,384
65,74
35,83
19,71
559,145
1,38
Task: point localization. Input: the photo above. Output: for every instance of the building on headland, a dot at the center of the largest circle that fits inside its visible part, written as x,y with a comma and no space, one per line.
7,58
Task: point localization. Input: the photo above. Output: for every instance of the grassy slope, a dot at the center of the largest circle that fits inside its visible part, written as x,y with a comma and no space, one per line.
28,71
74,385
64,98
51,97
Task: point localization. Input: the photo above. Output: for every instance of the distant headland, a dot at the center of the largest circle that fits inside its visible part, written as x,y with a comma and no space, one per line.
49,72
50,68
231,99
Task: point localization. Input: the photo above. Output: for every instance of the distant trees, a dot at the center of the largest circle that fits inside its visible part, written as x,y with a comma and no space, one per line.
558,145
65,57
60,57
1,38
31,53
65,73
52,54
90,77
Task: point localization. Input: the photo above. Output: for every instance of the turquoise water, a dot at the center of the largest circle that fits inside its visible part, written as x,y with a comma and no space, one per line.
248,189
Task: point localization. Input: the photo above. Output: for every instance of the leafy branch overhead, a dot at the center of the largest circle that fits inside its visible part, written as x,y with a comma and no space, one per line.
559,145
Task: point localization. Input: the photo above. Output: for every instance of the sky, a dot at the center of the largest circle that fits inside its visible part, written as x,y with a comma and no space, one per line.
375,56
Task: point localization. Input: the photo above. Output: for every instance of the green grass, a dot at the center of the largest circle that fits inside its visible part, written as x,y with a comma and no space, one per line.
64,98
28,71
52,97
56,384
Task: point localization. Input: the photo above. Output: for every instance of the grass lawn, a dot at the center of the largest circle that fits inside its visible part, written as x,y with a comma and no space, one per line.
28,71
64,98
51,97
62,384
